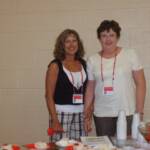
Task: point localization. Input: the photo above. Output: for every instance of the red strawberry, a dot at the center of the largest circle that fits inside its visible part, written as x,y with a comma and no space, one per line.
30,146
15,147
50,131
70,147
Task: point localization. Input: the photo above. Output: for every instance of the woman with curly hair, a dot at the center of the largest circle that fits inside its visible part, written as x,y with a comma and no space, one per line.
116,82
65,86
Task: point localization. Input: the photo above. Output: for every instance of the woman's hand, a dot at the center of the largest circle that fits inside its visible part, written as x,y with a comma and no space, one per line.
88,120
140,83
88,124
57,126
89,105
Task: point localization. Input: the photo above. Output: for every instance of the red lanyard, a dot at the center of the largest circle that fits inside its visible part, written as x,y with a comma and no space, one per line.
114,66
73,79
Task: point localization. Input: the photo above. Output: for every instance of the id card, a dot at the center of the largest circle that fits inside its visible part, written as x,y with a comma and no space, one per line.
77,98
108,90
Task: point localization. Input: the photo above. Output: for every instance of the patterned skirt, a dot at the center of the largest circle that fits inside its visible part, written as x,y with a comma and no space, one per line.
72,124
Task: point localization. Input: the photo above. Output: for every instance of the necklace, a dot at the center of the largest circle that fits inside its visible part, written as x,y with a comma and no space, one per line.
106,54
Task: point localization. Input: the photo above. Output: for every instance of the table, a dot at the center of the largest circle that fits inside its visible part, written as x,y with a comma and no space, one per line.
130,143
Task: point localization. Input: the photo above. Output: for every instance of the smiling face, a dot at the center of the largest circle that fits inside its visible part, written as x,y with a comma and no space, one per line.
71,45
108,40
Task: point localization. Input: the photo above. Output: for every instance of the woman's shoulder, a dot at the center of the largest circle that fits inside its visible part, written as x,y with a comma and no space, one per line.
83,62
93,57
129,53
55,63
129,50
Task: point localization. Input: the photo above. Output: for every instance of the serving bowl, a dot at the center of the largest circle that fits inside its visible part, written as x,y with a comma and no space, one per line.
144,129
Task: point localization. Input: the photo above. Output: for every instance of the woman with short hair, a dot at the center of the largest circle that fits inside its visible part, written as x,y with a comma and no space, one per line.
115,82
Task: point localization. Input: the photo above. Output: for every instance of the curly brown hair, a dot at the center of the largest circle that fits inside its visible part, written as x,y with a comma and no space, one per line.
59,51
106,25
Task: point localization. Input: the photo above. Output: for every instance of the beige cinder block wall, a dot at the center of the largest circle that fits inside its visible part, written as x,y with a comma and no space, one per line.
28,29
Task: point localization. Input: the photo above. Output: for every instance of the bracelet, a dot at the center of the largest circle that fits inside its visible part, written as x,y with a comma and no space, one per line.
141,113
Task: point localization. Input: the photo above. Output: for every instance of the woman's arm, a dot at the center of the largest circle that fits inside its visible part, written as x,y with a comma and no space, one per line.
51,79
140,83
88,105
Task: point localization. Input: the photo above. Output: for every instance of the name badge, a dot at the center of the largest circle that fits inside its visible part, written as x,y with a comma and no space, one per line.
77,98
108,90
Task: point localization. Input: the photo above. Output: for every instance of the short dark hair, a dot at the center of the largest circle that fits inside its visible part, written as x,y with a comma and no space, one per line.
106,25
59,51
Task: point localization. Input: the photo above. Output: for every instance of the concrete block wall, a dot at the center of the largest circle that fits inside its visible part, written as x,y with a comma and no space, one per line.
28,30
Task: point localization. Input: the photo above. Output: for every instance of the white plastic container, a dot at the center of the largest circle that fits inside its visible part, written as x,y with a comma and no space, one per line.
121,126
134,127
